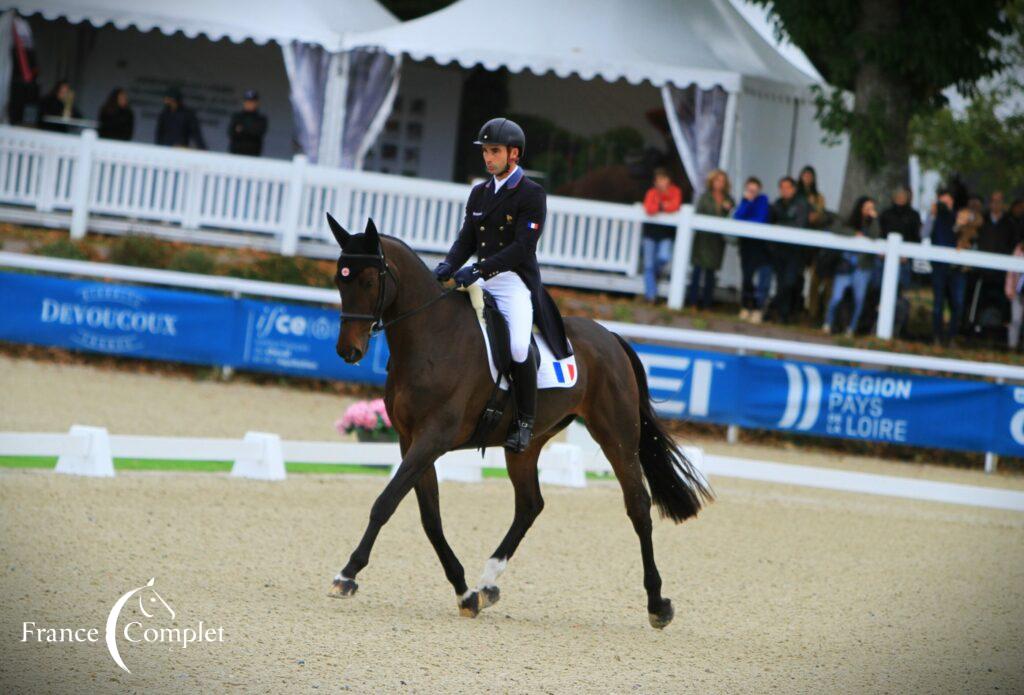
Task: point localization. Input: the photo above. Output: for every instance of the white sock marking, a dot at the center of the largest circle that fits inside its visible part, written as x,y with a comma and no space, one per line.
492,570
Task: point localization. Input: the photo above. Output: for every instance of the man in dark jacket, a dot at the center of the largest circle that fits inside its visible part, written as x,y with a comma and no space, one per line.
900,217
248,127
177,125
504,220
789,210
948,282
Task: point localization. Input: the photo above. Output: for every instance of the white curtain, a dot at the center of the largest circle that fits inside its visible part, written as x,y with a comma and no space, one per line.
371,86
340,101
308,68
697,118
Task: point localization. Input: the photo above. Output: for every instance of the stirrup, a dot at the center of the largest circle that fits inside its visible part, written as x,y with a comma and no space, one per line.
519,434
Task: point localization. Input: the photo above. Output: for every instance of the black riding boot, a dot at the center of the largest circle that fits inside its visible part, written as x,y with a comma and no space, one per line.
524,381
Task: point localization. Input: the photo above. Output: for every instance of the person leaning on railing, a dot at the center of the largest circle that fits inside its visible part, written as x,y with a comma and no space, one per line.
755,259
854,270
662,198
947,281
709,247
788,210
1015,293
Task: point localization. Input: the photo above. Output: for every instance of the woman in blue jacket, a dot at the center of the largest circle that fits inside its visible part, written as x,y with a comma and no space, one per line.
755,260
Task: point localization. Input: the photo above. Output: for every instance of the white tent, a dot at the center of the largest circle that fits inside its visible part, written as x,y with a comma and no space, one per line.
309,33
713,67
320,22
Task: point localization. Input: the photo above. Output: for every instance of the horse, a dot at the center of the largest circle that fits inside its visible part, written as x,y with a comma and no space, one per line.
439,382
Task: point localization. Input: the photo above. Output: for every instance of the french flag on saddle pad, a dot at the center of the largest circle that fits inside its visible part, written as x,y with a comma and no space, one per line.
566,374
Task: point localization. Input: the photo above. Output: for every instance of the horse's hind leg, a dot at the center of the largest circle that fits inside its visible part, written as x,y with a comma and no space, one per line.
430,514
618,433
522,470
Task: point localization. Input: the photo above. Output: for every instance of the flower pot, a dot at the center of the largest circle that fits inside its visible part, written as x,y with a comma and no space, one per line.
384,435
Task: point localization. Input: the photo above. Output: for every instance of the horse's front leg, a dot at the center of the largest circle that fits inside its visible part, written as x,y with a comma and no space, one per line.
418,459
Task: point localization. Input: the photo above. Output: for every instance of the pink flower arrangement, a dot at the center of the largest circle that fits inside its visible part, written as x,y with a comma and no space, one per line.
370,416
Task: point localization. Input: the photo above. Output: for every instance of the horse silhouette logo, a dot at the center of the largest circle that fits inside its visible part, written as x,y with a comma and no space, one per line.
150,603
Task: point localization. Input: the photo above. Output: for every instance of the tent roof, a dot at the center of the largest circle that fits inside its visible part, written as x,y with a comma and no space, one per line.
662,41
321,22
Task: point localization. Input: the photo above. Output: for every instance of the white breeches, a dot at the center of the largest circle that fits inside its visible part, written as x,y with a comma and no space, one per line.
513,299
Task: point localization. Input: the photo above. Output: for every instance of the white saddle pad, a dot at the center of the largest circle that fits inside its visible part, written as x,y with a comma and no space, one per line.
551,374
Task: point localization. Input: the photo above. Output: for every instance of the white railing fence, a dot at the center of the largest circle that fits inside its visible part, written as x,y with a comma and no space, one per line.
586,243
90,451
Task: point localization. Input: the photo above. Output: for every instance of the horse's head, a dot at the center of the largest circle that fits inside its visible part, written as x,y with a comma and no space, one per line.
361,280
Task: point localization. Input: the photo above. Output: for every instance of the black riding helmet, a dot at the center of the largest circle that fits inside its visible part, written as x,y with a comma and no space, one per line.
502,131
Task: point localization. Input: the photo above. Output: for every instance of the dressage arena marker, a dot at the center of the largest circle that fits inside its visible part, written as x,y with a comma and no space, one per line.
90,451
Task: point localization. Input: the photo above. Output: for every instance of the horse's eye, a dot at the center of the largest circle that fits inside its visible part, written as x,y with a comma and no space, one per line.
365,283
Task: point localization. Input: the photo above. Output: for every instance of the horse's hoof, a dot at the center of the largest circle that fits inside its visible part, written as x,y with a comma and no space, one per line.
469,607
343,588
489,595
663,616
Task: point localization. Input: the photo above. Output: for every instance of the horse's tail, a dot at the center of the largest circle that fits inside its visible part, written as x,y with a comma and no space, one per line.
677,487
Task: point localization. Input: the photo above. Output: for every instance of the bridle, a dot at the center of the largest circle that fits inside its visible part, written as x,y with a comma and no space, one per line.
383,273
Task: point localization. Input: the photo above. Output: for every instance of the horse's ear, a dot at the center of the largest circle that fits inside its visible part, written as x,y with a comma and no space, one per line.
371,232
339,232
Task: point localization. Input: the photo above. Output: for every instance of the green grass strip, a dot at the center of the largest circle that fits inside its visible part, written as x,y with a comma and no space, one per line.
225,466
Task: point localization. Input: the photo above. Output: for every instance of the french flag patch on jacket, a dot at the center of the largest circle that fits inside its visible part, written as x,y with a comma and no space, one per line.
533,225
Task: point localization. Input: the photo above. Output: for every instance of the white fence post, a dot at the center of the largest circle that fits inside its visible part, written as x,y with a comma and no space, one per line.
290,223
268,466
47,181
562,464
681,258
80,187
96,461
890,286
193,198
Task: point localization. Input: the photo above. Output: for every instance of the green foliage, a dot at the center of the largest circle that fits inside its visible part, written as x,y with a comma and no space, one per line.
564,156
63,248
978,143
192,261
139,251
283,269
904,53
985,142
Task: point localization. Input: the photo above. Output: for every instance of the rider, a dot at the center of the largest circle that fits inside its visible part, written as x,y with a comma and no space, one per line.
504,219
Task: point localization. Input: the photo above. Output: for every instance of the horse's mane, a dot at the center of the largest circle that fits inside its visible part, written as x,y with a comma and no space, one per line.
407,248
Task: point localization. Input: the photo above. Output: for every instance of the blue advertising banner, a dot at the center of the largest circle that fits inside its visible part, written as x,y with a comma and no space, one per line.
755,392
300,340
116,319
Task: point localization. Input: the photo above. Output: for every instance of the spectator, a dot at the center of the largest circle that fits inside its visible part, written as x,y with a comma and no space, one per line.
807,187
709,248
59,103
1015,221
1015,293
903,219
854,269
248,127
25,71
755,260
662,198
996,233
177,125
789,210
117,122
947,282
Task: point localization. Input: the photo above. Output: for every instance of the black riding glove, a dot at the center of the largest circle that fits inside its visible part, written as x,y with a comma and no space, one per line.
467,276
443,271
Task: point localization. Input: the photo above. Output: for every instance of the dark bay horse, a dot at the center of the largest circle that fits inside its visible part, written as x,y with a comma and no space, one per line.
438,384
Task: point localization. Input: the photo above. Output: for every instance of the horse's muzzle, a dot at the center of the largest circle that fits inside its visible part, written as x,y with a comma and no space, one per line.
351,355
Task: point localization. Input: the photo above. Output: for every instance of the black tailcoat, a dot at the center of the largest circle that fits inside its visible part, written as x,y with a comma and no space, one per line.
503,230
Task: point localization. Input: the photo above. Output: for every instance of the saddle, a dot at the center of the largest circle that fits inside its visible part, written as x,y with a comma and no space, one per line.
551,373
